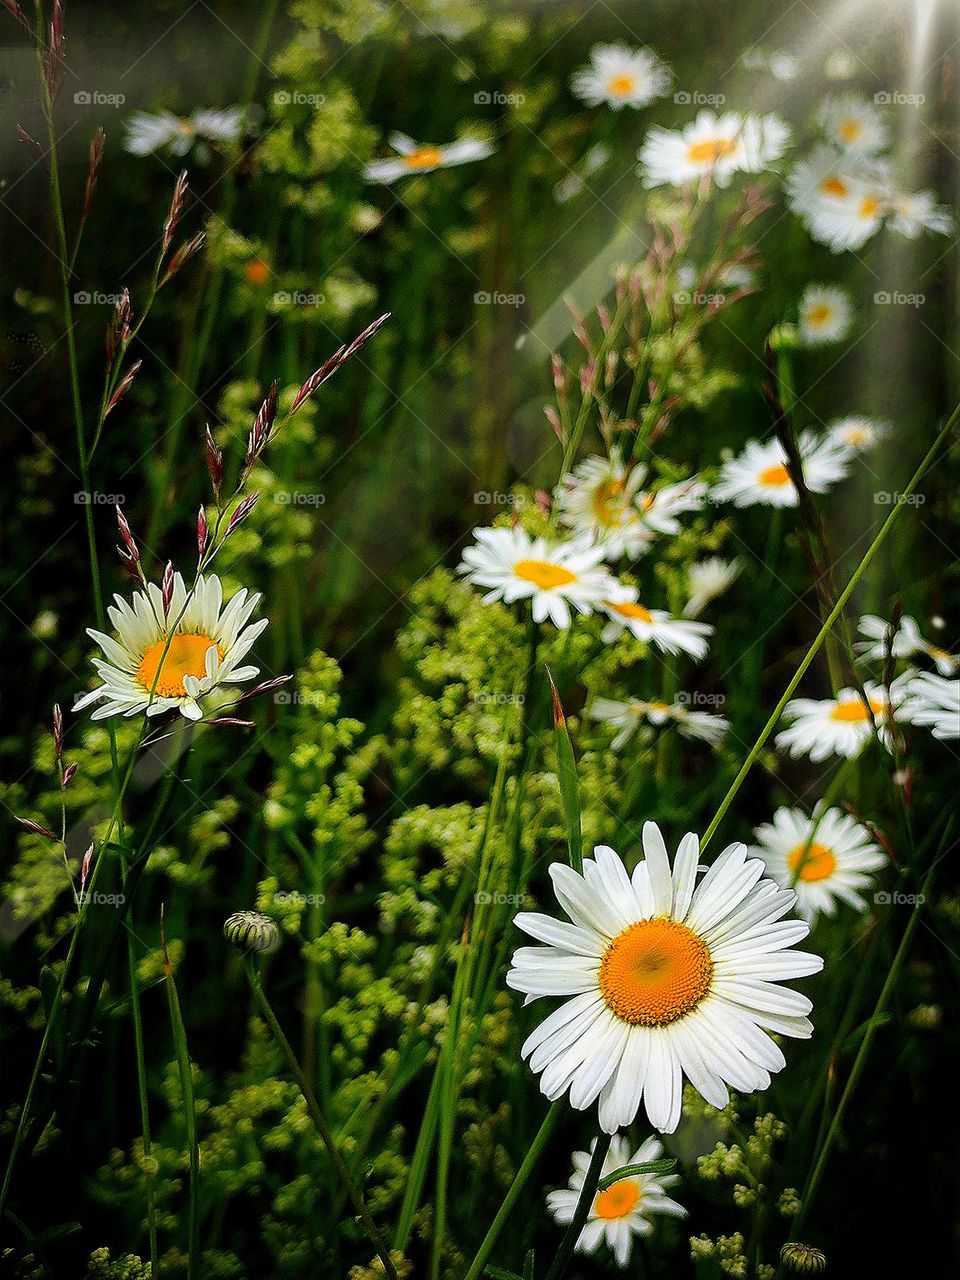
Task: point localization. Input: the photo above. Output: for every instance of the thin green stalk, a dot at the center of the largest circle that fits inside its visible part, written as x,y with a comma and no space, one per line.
319,1120
824,631
189,1110
143,1099
587,1193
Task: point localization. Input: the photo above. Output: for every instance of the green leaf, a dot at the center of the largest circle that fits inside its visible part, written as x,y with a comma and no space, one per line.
500,1273
569,787
631,1170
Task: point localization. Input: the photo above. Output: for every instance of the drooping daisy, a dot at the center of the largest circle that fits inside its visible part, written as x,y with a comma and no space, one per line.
659,508
553,575
929,701
906,641
842,199
597,499
825,858
834,727
147,132
654,626
141,672
708,579
852,123
913,214
662,977
619,76
825,314
627,717
711,146
416,157
624,1209
759,474
856,433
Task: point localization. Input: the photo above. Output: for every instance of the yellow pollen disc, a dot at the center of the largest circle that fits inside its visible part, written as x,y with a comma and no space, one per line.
617,1201
813,863
869,206
856,435
185,657
710,151
647,501
630,610
185,127
655,972
850,130
776,476
607,501
659,706
423,158
819,315
620,86
855,712
833,186
543,574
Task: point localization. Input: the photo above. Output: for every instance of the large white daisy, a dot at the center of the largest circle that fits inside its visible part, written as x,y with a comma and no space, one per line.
930,701
626,717
825,314
553,575
842,199
659,508
618,76
624,1209
597,498
654,626
759,474
711,146
825,857
838,726
912,214
147,132
141,672
662,977
416,157
852,123
906,641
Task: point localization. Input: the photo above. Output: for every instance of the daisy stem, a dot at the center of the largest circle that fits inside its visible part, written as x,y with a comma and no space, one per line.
824,631
587,1193
142,1096
513,1195
319,1120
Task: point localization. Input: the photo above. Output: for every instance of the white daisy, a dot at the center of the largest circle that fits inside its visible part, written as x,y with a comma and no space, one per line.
573,183
907,640
662,977
779,63
852,123
552,575
147,132
624,1209
619,76
205,649
734,278
759,474
627,717
825,857
834,726
654,626
913,214
856,433
711,146
416,157
597,499
842,199
825,314
929,701
708,579
659,508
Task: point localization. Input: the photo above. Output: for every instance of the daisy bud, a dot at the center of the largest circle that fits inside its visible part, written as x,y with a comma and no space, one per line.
166,588
94,160
203,536
68,775
214,460
803,1259
543,500
554,419
128,540
242,511
57,730
610,371
603,316
559,375
587,375
252,931
124,387
176,209
37,830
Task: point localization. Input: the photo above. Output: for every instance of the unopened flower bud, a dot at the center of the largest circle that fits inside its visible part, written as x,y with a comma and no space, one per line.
252,931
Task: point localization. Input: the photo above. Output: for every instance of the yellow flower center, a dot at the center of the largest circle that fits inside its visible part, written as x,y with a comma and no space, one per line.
814,862
423,158
710,151
854,712
617,1201
185,657
620,86
629,610
869,206
775,477
543,574
834,186
850,130
608,501
647,501
856,435
819,315
655,972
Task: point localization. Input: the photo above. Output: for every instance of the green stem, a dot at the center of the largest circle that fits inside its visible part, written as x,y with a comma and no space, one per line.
587,1193
143,1097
